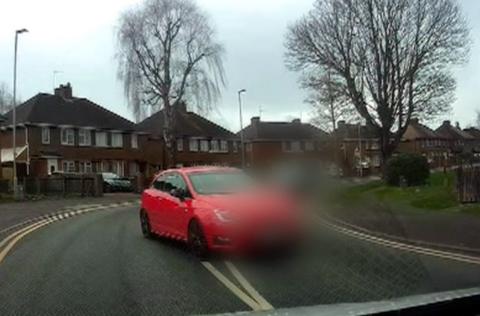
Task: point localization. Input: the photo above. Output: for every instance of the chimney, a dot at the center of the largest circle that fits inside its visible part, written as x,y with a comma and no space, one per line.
255,120
457,125
414,120
182,106
64,91
341,124
296,121
446,123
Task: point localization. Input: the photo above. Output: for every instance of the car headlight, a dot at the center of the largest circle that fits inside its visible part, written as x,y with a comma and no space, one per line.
223,215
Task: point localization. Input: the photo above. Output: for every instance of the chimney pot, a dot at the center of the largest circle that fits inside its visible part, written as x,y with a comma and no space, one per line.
255,120
296,121
64,91
447,123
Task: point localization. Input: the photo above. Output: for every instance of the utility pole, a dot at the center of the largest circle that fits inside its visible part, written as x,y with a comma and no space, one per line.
242,141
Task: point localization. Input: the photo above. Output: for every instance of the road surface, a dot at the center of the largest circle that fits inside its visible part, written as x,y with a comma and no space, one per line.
99,264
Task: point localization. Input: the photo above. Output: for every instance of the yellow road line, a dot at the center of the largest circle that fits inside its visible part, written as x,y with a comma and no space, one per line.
232,287
404,246
6,250
248,287
9,237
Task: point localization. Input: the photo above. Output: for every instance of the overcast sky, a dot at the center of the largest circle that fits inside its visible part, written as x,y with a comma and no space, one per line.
77,38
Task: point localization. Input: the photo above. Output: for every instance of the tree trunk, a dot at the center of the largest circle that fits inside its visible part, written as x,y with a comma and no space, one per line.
168,135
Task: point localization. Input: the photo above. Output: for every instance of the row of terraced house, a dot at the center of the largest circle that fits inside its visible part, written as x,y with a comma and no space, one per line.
61,133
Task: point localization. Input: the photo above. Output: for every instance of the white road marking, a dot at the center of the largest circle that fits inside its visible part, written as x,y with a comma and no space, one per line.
232,287
248,287
403,246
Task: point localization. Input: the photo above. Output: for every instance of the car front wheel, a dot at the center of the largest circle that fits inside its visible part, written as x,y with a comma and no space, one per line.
196,240
145,225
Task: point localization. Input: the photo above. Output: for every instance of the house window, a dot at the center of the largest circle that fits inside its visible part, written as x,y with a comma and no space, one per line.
249,147
85,167
295,146
179,144
68,136
117,140
309,146
105,166
235,147
134,141
117,168
224,146
100,139
68,166
193,145
133,168
84,137
214,145
204,145
45,135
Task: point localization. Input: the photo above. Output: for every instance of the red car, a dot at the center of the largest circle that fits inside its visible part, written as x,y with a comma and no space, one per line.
217,209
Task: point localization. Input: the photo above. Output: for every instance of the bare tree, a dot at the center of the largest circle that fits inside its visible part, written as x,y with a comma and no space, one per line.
393,57
328,101
6,100
168,54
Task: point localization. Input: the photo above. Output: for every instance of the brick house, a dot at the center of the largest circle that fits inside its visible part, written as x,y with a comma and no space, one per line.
459,141
198,141
475,133
63,133
268,142
421,139
358,149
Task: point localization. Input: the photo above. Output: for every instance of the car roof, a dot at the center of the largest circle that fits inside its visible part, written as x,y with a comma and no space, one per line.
200,169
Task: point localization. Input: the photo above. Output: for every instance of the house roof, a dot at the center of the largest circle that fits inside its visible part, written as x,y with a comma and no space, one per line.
57,110
447,130
416,130
281,130
187,124
473,131
351,131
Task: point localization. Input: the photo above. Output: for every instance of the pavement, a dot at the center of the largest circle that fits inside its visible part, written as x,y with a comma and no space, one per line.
98,263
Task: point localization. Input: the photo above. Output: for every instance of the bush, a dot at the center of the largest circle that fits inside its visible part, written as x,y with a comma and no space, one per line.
411,168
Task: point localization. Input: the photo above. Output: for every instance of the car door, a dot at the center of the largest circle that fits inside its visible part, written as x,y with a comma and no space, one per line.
178,209
155,203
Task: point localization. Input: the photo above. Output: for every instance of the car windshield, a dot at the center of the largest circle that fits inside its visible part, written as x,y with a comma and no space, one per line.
109,175
220,182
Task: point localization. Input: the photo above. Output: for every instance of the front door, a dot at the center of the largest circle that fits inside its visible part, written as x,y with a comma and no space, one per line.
52,166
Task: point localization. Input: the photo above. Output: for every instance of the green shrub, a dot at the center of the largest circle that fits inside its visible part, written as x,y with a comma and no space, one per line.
413,169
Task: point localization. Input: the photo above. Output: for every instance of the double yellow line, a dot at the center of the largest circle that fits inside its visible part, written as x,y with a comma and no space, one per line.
7,244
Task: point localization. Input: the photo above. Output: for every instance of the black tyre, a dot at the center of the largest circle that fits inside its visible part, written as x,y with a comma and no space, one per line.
196,240
145,225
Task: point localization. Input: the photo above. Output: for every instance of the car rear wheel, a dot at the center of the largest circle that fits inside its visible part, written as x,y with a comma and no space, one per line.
145,225
196,240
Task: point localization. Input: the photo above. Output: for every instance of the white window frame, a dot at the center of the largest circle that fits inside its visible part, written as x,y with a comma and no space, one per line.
134,141
193,145
204,145
223,146
45,132
235,146
309,145
214,146
84,137
85,167
179,144
296,146
69,134
68,166
97,137
116,140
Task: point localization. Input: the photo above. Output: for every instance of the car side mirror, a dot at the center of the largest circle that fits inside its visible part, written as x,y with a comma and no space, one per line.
179,193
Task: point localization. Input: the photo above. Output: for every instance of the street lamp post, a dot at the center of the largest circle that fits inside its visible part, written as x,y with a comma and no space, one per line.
14,122
241,125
